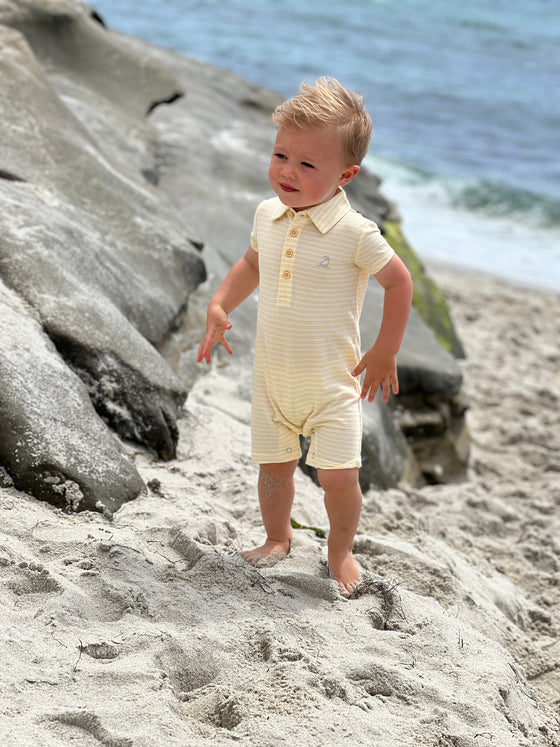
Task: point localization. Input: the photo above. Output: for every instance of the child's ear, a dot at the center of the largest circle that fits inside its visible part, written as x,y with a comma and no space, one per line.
348,174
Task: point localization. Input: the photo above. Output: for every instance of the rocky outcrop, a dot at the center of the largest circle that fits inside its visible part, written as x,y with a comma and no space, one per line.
46,413
119,162
87,242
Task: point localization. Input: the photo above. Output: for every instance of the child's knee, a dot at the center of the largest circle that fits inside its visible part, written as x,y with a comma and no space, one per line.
276,475
338,480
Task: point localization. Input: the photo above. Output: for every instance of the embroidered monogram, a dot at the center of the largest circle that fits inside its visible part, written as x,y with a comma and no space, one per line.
324,262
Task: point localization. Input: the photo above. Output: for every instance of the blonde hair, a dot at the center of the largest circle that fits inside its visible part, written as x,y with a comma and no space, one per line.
328,104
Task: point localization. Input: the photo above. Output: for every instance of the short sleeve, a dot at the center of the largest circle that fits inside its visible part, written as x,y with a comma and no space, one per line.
373,251
253,242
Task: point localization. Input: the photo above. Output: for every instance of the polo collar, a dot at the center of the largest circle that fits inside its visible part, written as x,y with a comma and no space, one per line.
323,216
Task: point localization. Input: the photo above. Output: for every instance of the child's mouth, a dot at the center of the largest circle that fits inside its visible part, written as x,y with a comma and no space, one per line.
287,188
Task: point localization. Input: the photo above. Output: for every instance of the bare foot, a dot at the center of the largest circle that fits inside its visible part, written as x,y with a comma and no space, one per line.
345,572
268,554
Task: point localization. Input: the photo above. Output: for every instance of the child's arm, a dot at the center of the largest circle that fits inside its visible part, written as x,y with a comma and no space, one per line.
379,362
239,283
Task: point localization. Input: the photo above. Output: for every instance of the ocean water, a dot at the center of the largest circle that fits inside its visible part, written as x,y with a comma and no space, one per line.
464,99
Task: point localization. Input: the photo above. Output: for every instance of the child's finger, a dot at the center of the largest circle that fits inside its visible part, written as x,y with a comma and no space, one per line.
369,389
205,348
358,370
203,354
373,390
226,345
386,386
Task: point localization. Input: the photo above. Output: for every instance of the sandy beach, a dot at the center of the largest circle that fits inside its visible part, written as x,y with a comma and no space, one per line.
150,629
129,179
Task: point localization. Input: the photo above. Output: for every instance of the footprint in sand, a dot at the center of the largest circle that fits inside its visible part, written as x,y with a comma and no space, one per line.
69,724
32,578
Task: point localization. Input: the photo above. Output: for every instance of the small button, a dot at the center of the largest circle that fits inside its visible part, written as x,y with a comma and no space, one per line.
289,252
286,275
294,232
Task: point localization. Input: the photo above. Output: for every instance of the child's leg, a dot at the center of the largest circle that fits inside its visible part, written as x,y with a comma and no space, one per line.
276,495
343,501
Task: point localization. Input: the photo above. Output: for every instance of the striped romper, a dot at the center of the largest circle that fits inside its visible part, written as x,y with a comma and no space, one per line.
314,267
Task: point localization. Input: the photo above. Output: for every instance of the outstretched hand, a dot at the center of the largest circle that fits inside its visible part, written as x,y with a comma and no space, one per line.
381,371
238,284
216,327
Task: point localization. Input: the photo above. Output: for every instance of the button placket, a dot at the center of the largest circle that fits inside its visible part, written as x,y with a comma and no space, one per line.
287,262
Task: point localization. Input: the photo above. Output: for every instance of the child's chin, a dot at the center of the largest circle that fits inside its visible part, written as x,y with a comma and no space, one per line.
288,198
285,200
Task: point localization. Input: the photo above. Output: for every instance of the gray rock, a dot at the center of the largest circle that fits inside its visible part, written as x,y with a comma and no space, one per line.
67,38
86,240
424,366
385,451
45,411
430,408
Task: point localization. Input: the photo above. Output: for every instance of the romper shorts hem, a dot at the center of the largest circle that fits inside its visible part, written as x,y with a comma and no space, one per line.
335,441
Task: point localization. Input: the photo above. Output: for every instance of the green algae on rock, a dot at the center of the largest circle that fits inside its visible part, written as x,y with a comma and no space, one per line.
428,300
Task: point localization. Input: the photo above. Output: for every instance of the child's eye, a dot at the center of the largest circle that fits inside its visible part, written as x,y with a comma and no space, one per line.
279,155
307,165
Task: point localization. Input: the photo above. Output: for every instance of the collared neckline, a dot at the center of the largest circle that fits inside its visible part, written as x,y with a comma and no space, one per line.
323,216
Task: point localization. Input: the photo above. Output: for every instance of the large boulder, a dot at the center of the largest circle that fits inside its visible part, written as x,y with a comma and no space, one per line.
85,238
45,412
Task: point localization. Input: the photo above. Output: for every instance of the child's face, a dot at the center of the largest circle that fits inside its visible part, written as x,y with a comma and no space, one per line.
307,167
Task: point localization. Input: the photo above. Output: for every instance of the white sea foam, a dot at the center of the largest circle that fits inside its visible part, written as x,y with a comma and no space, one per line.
512,246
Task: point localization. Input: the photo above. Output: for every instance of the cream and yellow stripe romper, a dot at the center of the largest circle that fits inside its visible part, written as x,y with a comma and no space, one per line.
314,267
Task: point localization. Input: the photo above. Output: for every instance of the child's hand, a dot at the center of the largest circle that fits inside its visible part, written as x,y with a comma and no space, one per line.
381,371
217,324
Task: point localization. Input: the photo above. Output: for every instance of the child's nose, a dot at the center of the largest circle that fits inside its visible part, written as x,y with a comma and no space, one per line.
287,170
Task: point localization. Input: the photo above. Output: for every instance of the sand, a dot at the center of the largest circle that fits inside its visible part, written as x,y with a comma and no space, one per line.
149,630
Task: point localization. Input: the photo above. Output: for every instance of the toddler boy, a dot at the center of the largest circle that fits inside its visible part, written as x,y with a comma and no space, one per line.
311,255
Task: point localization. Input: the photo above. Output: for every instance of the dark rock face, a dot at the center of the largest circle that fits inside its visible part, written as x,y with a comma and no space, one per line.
105,211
